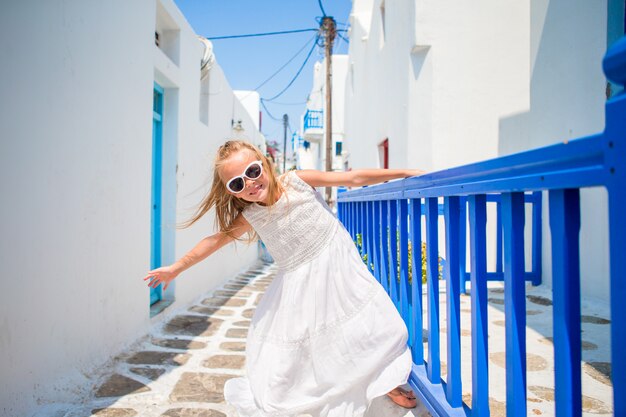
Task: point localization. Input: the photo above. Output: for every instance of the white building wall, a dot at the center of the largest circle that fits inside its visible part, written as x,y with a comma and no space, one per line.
451,83
75,162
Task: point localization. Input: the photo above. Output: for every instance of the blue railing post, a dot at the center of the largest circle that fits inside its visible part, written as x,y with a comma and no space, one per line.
480,359
513,212
452,209
393,249
565,227
416,325
463,242
615,149
384,259
404,260
369,235
499,248
537,246
377,241
432,277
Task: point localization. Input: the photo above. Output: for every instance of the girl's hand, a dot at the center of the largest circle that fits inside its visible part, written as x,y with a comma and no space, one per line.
164,274
414,173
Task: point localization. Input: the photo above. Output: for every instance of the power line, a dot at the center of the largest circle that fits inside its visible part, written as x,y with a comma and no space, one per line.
282,103
296,76
268,112
284,65
321,7
284,32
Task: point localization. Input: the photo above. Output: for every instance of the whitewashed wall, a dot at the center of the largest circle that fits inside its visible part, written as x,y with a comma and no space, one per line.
451,83
75,165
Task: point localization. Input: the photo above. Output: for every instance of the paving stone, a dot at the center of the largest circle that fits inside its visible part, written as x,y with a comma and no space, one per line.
533,362
594,320
119,385
533,312
237,333
200,387
221,301
590,404
150,373
233,346
258,299
185,344
234,287
496,408
497,301
209,311
248,313
466,310
225,361
259,287
158,358
500,323
496,290
193,325
242,323
584,344
600,371
113,412
232,293
192,412
537,299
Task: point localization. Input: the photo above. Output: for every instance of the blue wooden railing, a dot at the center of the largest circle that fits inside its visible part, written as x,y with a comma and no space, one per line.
313,119
389,214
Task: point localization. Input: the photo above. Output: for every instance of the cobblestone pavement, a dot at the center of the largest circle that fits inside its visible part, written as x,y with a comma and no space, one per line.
180,369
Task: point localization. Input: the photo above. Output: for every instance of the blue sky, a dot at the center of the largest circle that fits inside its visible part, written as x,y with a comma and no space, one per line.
247,62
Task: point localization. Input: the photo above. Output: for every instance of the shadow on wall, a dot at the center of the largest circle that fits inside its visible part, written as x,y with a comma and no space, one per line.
566,101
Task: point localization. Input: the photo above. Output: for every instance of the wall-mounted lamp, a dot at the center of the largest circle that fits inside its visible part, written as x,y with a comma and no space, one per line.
237,126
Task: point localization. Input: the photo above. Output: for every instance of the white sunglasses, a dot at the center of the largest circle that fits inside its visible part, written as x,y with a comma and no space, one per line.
253,171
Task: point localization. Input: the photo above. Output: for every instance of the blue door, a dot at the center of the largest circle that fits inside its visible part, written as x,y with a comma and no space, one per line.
156,294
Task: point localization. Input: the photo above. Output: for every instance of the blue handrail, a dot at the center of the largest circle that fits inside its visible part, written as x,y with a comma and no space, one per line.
384,213
313,119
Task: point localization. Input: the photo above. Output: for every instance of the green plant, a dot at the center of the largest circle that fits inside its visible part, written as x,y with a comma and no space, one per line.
365,258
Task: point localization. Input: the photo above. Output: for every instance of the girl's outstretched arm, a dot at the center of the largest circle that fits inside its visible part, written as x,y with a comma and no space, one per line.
354,178
203,249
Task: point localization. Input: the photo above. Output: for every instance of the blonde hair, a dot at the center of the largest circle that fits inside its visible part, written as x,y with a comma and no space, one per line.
227,205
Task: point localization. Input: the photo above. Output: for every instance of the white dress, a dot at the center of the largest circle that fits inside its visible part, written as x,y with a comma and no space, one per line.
325,339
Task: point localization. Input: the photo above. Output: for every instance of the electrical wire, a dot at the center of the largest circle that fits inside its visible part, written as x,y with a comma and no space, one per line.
281,103
268,112
321,7
284,32
296,76
284,65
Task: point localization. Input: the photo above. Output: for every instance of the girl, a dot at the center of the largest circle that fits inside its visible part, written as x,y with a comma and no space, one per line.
325,339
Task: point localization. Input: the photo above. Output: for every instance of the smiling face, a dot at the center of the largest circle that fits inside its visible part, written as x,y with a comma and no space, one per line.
255,191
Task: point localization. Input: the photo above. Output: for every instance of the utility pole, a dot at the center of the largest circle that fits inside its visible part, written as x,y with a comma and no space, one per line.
285,124
329,30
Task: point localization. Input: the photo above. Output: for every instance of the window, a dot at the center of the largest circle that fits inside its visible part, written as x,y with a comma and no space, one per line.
338,148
